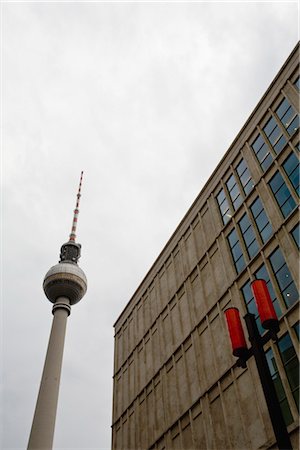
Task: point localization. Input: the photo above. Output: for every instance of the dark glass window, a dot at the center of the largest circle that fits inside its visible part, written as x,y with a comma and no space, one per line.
236,251
282,194
288,116
291,364
296,328
261,220
284,278
223,206
295,233
245,177
281,395
297,84
248,236
274,135
262,152
262,274
291,167
234,192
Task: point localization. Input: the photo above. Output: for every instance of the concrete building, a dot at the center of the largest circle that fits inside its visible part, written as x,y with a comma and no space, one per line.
176,385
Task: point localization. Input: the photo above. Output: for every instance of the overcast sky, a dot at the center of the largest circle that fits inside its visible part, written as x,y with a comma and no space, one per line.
145,97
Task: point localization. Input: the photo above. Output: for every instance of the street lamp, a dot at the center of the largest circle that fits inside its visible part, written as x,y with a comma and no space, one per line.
269,322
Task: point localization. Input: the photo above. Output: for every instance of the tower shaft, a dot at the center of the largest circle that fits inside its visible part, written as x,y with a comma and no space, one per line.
42,430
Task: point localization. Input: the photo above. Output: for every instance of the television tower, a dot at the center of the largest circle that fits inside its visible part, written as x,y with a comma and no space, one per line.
64,285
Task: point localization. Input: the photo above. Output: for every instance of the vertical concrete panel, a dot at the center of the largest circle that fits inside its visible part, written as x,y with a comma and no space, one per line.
208,226
198,297
198,430
171,276
150,415
187,440
192,372
125,386
219,427
167,330
131,337
143,424
176,442
117,441
208,287
131,431
222,351
190,248
148,356
172,394
124,433
230,272
199,238
118,395
153,303
141,366
159,407
183,387
132,392
155,349
140,319
176,324
120,349
233,419
250,412
147,314
218,272
164,292
207,363
125,342
184,314
178,268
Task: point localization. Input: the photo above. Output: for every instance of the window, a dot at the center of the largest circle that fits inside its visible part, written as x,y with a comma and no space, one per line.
284,278
274,135
245,177
291,167
262,274
282,194
262,152
288,116
295,234
234,192
291,365
223,206
261,220
281,395
296,328
248,236
296,84
236,251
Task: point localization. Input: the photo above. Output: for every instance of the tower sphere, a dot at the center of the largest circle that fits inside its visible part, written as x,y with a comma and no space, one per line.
65,279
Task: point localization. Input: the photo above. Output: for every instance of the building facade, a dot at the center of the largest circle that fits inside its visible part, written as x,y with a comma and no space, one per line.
176,385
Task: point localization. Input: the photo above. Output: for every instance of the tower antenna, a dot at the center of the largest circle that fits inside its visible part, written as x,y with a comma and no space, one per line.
76,212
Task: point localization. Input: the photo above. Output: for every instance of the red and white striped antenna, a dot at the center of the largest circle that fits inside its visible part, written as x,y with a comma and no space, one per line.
76,212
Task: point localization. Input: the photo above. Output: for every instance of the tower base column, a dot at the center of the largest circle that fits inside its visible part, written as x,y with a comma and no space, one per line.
42,430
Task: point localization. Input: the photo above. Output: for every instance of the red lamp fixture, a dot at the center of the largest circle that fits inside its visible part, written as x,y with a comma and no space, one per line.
236,332
239,349
264,305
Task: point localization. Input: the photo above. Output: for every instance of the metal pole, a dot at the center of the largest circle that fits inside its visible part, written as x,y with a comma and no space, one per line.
279,427
42,430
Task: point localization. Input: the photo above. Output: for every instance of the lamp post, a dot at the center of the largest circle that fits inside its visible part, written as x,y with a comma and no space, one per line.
269,321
